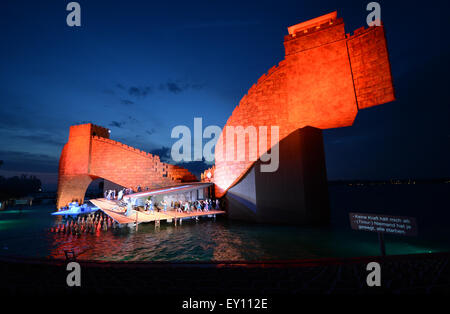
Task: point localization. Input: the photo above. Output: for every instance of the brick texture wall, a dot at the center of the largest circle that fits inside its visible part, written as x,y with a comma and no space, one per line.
370,67
90,154
325,77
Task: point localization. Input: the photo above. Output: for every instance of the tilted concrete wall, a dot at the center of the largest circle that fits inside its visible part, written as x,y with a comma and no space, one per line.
297,193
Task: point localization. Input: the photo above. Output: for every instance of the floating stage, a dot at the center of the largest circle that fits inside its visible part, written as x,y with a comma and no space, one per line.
117,213
189,191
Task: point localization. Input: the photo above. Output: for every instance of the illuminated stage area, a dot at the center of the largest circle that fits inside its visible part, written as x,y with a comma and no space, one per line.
117,209
90,154
117,213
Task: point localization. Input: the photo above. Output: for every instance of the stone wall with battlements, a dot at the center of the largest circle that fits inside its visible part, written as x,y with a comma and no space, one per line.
90,154
325,77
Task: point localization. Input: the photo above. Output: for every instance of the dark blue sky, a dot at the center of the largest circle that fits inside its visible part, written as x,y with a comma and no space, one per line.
143,67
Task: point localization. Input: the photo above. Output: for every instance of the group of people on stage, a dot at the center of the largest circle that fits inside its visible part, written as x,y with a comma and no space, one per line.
199,205
114,195
150,206
179,206
85,224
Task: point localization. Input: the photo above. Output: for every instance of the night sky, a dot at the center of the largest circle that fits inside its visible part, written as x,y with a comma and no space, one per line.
142,67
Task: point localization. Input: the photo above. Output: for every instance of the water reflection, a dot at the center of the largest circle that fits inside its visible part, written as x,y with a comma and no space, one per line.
192,241
26,234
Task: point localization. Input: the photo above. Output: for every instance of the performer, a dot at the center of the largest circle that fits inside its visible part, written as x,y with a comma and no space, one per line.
164,203
151,206
129,207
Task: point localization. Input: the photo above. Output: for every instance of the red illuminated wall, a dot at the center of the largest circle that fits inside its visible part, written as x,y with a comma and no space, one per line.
325,77
90,154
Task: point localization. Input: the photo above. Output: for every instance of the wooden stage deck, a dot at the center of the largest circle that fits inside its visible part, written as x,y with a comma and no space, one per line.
113,210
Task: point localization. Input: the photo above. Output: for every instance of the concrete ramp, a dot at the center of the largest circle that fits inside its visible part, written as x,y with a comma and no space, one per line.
113,210
116,212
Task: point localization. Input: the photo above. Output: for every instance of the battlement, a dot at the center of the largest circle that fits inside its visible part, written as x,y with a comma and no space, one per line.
260,82
313,29
88,129
100,131
173,172
312,23
315,36
362,30
127,147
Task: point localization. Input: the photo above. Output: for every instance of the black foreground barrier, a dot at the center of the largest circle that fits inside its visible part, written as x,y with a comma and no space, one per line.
184,284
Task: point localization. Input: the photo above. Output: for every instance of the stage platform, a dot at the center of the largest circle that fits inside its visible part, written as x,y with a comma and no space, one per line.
116,212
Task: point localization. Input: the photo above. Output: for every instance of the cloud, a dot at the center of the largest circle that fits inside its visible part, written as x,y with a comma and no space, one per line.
139,91
151,131
197,86
132,119
41,139
134,91
174,87
195,167
163,153
222,24
16,117
21,136
126,102
116,124
179,86
28,162
82,122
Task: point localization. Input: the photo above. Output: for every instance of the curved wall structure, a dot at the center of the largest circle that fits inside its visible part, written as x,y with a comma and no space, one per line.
324,79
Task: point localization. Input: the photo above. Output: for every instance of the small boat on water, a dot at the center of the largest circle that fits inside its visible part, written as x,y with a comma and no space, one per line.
75,209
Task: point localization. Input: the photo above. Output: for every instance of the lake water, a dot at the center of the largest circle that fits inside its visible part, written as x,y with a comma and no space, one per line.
25,233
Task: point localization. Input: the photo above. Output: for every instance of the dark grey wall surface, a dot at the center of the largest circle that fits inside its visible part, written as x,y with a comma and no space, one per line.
297,193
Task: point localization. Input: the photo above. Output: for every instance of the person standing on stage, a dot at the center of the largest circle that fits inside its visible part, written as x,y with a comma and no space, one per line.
129,207
164,204
151,206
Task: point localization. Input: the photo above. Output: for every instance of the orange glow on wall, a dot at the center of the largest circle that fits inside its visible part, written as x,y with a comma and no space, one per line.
90,154
325,77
